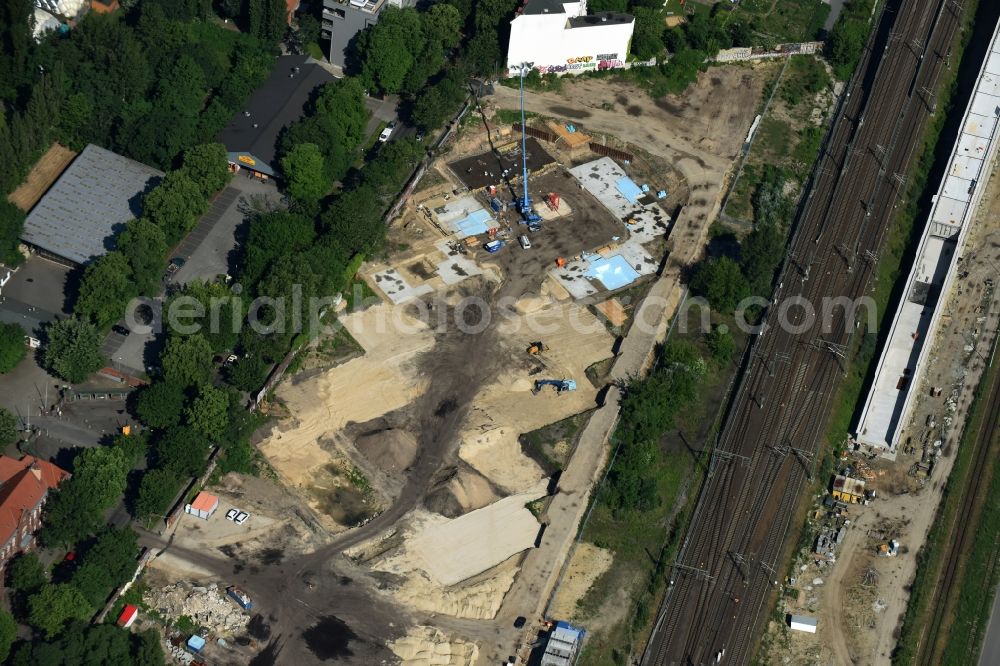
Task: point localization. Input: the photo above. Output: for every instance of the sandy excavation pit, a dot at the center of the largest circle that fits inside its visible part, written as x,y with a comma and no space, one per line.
358,417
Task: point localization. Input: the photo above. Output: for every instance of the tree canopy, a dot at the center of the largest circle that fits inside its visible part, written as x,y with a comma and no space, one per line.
304,171
187,360
175,205
85,644
11,226
53,606
72,349
12,348
106,287
161,404
721,281
144,247
107,563
76,509
209,412
208,166
8,427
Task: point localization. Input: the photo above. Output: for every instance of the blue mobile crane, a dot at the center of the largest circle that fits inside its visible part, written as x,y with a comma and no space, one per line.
527,211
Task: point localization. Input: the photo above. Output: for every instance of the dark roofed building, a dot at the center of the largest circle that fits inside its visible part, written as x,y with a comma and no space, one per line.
252,135
77,218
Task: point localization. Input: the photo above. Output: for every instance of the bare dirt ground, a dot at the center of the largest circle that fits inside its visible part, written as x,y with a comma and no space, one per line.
586,566
42,175
425,424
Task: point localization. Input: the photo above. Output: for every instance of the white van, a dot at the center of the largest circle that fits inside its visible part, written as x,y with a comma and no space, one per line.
525,243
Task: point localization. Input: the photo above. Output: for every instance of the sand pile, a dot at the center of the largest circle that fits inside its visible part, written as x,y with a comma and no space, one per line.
391,450
479,600
463,491
497,455
427,646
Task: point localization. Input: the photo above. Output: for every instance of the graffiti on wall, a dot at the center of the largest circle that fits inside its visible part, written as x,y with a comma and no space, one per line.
584,63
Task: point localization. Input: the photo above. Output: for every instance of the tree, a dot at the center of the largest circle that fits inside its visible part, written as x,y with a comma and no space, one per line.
11,226
144,246
161,404
268,20
11,346
223,312
305,173
760,255
271,236
208,166
721,282
438,102
248,373
208,412
72,350
82,643
647,37
175,205
8,632
76,509
156,490
8,427
107,563
187,360
183,451
720,342
26,573
54,605
308,30
105,290
388,49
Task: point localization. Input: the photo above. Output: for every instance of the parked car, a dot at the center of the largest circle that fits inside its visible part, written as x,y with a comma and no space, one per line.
493,246
525,243
174,265
520,621
241,517
120,330
231,514
387,132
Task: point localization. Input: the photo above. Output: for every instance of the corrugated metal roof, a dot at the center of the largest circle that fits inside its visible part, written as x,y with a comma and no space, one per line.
92,200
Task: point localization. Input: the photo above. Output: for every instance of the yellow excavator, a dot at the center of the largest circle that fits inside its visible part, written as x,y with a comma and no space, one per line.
536,348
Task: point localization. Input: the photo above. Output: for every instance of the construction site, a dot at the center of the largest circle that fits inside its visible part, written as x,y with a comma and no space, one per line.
520,262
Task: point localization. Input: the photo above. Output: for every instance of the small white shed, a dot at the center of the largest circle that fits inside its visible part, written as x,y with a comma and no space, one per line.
802,623
203,506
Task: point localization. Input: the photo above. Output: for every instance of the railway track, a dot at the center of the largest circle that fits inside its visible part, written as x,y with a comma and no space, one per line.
961,539
731,555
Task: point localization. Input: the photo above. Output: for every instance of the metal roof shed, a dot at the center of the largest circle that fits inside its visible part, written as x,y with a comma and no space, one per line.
802,623
77,219
203,506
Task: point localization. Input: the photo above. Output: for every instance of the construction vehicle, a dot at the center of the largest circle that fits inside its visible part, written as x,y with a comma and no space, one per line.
524,202
559,385
240,597
537,348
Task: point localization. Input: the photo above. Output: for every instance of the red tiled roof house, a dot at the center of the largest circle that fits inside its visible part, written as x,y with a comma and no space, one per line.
24,487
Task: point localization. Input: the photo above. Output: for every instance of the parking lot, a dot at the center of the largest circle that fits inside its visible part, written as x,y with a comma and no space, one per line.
35,294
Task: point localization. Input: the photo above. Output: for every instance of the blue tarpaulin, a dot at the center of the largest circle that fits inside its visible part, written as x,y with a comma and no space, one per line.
628,189
614,272
196,643
474,224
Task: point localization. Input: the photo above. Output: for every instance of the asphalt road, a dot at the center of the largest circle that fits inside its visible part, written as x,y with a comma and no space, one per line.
734,549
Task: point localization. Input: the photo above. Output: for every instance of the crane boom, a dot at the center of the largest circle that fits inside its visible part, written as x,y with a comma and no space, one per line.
524,205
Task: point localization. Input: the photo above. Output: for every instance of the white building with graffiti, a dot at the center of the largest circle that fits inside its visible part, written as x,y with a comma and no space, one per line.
554,36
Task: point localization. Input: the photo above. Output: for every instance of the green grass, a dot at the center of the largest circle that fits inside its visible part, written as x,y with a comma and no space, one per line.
644,542
979,574
788,21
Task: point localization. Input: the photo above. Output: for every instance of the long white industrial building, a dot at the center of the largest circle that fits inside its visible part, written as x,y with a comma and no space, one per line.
890,400
559,37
